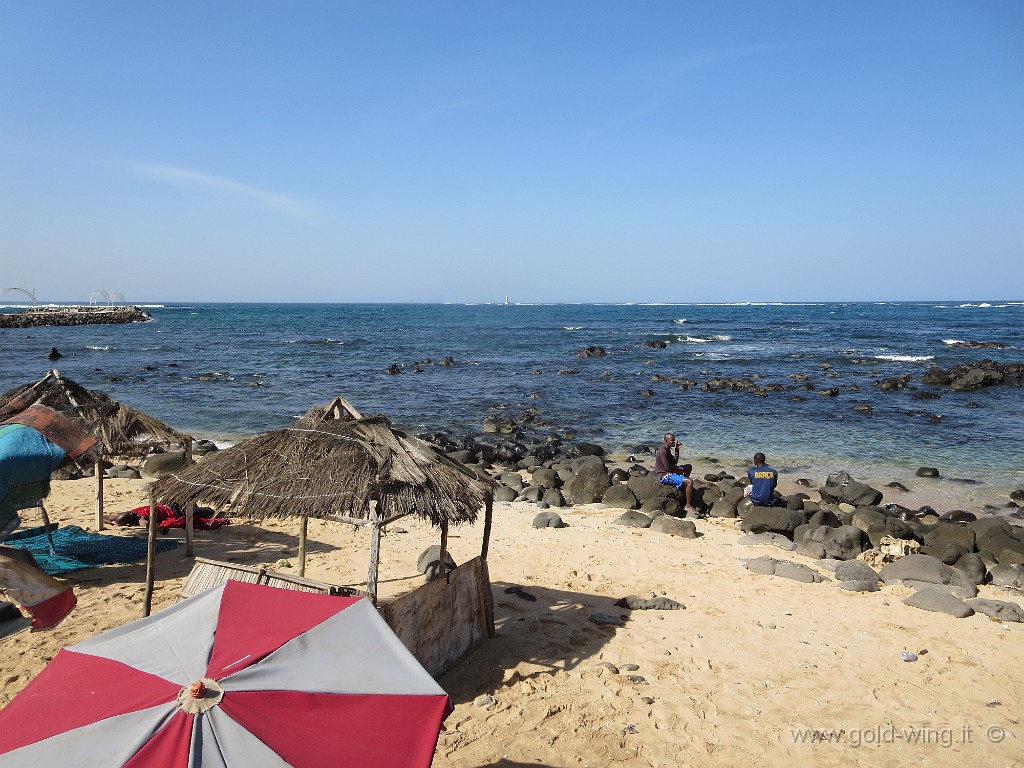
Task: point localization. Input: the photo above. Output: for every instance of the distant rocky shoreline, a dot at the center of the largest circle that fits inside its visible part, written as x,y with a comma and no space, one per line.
37,317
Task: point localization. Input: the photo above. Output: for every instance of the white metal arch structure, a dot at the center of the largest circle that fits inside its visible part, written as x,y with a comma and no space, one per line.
31,296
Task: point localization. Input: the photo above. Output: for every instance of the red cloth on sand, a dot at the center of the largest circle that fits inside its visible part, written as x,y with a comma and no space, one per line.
167,518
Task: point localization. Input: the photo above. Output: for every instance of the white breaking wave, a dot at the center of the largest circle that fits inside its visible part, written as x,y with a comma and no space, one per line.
699,340
572,327
982,305
905,358
680,321
953,342
99,349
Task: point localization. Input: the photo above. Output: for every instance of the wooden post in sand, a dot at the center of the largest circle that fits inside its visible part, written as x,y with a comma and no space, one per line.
441,569
371,579
303,529
488,514
98,468
190,528
147,601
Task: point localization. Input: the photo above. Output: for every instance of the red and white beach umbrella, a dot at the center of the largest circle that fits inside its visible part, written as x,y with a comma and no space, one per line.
241,675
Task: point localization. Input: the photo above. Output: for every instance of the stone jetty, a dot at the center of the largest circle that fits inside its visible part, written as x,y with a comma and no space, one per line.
43,316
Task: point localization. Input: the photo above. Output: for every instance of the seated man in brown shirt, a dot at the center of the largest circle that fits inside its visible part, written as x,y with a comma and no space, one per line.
670,473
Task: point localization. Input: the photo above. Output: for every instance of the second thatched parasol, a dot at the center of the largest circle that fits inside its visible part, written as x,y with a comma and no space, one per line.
334,464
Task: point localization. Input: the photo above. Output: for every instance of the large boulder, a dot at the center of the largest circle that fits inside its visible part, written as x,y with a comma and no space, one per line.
553,497
633,519
918,570
648,487
855,570
619,495
998,609
731,491
771,519
548,520
972,566
947,552
1003,548
662,505
161,465
588,485
939,602
820,541
504,493
1007,576
852,492
769,566
429,562
723,508
877,523
513,480
674,526
960,535
546,478
587,464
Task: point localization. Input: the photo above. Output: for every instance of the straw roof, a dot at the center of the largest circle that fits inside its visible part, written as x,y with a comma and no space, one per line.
327,465
120,429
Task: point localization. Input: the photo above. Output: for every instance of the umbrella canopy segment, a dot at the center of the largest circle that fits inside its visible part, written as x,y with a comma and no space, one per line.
331,468
121,430
240,675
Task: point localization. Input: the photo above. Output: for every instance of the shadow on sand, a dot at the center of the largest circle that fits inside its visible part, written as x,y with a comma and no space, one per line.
549,630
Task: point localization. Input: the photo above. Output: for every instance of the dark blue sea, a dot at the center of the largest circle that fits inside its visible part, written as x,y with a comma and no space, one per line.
195,367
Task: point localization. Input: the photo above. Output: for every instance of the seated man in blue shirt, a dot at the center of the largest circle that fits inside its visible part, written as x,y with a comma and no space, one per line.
669,473
763,480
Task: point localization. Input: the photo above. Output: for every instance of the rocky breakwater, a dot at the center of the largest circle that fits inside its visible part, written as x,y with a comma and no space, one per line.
37,317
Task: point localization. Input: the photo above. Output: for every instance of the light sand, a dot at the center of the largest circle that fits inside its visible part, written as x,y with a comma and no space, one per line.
752,662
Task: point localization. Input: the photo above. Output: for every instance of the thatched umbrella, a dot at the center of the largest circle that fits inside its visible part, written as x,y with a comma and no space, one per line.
120,429
335,464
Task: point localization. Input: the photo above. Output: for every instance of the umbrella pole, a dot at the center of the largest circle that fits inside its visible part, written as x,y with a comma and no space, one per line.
147,601
98,469
303,529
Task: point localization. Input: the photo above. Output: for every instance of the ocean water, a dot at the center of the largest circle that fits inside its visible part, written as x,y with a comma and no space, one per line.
512,355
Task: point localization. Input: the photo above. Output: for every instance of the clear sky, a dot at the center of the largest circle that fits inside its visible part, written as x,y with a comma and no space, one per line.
552,151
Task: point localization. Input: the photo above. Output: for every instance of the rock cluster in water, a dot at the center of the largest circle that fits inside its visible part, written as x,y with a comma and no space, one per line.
56,316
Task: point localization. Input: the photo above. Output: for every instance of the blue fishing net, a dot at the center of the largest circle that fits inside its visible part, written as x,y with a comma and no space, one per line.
76,549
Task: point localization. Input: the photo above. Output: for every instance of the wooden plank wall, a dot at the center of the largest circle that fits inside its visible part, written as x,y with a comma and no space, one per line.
444,619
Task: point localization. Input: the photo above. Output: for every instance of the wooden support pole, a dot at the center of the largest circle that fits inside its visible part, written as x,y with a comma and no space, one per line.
488,514
190,528
303,530
443,556
371,578
147,601
187,447
98,468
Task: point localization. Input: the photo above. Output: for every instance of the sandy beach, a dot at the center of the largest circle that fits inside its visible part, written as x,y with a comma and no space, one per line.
754,667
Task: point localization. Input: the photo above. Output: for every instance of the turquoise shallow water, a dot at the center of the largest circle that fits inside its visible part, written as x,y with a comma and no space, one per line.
303,355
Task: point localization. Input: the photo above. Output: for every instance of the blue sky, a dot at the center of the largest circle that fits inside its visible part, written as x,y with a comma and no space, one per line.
552,151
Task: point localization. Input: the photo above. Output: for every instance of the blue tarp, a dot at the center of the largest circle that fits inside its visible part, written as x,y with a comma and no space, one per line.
26,461
77,549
